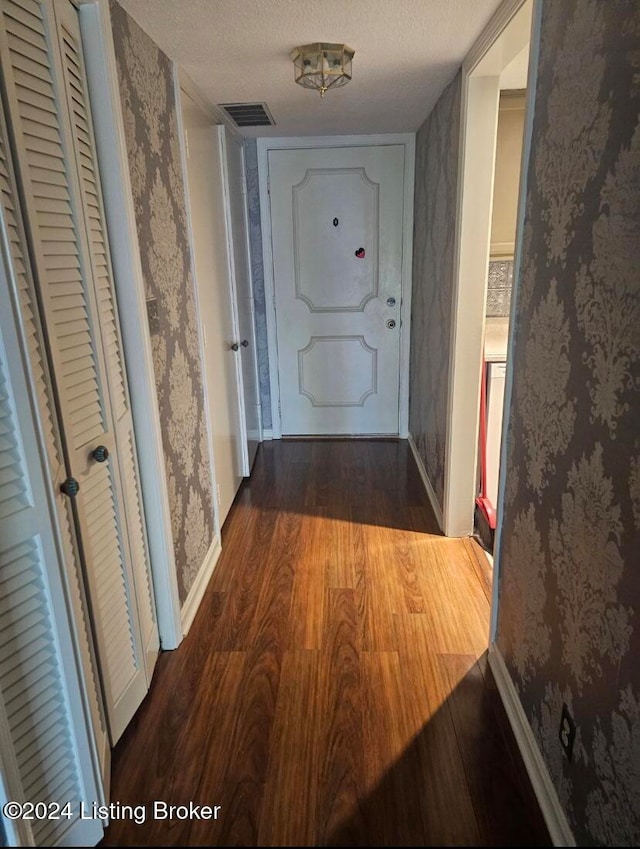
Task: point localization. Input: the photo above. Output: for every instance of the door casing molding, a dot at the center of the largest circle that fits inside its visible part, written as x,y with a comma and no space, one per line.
478,125
264,145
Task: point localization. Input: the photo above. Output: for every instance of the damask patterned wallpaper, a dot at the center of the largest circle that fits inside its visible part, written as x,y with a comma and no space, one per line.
149,110
437,145
569,614
257,274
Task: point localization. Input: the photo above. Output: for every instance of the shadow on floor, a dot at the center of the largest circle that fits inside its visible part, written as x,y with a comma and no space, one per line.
460,782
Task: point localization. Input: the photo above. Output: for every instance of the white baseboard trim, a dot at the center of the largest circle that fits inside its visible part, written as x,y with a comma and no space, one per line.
437,509
554,816
267,434
192,602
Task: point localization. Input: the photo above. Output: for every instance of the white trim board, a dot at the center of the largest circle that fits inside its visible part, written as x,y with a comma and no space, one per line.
554,816
264,145
97,39
199,587
508,388
507,32
431,493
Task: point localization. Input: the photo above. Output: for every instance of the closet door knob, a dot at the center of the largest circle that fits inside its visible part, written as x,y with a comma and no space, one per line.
100,454
235,347
70,487
245,343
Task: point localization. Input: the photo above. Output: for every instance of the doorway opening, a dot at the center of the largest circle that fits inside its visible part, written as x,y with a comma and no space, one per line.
506,182
500,70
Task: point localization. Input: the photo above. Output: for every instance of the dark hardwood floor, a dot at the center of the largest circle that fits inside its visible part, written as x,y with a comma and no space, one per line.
333,689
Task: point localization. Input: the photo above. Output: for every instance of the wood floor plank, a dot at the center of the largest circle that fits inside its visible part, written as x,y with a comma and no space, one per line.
341,759
199,729
459,607
333,688
347,560
392,809
291,788
270,623
481,565
236,773
308,592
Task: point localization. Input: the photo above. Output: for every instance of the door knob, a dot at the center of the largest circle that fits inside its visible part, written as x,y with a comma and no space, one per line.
70,487
100,454
391,323
391,302
245,343
235,347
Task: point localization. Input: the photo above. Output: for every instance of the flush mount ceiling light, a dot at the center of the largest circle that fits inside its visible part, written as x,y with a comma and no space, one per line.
322,66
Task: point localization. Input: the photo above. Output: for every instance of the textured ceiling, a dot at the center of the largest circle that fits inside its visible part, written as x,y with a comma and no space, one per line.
238,50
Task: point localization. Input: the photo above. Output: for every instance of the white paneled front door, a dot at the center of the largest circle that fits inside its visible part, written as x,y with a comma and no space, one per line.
337,238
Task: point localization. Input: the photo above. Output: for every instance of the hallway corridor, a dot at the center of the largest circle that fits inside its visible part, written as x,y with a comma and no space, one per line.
333,689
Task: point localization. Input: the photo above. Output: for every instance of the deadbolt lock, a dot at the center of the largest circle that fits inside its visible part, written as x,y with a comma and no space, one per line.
391,323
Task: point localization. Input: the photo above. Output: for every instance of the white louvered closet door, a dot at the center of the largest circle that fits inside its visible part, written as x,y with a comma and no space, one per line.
55,156
45,734
11,226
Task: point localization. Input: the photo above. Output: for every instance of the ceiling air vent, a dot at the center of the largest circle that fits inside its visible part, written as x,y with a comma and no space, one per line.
248,114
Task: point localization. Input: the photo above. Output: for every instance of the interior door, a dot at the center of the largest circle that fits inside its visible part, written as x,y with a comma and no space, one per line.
336,219
12,225
205,181
45,741
243,292
54,151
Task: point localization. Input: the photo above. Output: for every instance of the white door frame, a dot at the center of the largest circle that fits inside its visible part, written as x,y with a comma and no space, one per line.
264,145
97,38
479,116
233,290
247,249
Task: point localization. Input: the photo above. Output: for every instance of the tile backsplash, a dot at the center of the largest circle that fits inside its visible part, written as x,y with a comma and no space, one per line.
499,288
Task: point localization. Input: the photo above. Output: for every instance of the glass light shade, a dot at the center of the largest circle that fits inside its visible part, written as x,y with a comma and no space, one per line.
322,66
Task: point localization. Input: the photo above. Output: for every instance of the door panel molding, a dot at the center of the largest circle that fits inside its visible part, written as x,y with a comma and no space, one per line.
264,145
315,344
312,266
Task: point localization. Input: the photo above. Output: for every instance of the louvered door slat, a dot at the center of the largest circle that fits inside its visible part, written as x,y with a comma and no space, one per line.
27,14
13,667
31,680
106,549
77,99
138,539
24,288
51,197
14,492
